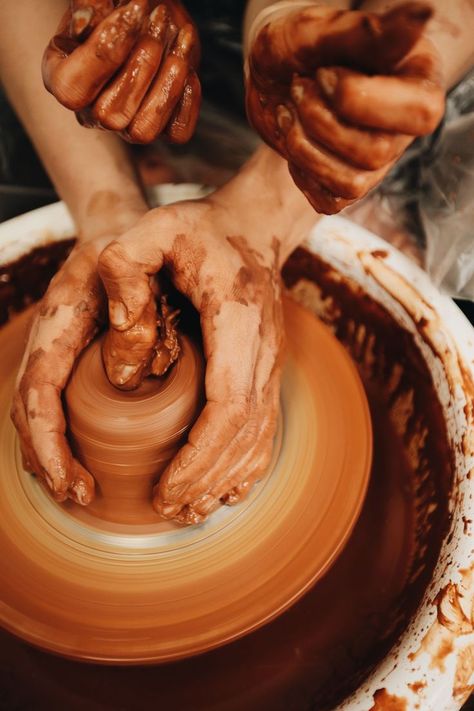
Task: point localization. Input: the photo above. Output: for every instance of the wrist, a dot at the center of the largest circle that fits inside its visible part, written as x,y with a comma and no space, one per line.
110,211
268,204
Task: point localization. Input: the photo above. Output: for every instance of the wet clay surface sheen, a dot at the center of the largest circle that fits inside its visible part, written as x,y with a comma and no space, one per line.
126,439
153,591
322,647
311,654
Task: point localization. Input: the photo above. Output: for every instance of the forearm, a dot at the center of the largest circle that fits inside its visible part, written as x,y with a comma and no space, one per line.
91,170
450,30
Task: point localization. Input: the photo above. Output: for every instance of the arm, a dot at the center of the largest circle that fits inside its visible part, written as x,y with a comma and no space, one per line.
450,31
93,174
90,170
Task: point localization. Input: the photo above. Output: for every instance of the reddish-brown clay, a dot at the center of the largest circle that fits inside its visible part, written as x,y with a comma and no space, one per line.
126,439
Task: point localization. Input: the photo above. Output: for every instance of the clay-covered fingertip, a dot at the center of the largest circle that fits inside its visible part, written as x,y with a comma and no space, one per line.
81,20
166,511
82,489
118,315
81,493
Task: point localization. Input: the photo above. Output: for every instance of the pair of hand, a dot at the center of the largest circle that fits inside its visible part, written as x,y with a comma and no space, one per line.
339,94
233,281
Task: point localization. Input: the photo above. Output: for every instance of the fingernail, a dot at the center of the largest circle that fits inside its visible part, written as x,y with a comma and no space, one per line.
190,517
167,510
126,373
205,504
80,493
118,314
81,20
297,92
284,118
159,14
48,480
327,79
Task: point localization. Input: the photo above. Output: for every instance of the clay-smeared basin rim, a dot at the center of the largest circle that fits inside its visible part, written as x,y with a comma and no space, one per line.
147,594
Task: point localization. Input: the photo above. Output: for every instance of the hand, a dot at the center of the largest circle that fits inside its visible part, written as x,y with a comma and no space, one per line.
341,94
131,69
64,322
225,258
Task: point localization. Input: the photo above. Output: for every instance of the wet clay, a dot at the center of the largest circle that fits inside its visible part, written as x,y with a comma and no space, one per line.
126,439
154,591
323,647
309,657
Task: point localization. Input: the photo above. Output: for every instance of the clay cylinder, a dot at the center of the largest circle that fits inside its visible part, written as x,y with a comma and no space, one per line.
125,439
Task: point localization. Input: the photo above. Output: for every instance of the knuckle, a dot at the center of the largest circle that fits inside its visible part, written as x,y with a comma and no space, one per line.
432,112
238,410
111,259
65,92
380,154
142,132
108,119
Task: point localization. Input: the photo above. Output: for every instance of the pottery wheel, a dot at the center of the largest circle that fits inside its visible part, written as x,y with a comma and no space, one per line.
123,593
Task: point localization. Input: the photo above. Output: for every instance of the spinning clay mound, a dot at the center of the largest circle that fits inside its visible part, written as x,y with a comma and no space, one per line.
107,584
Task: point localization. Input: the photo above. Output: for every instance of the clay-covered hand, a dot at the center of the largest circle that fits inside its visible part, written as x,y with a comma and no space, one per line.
64,322
127,66
228,266
341,94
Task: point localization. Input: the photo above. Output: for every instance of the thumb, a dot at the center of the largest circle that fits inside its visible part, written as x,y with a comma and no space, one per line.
125,267
86,15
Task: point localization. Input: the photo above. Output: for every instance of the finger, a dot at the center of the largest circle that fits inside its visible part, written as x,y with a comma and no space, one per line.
190,488
332,173
217,426
183,121
256,452
87,14
261,114
305,39
125,267
197,490
120,100
18,416
40,388
403,104
165,92
252,470
77,78
216,438
365,148
254,463
323,201
128,355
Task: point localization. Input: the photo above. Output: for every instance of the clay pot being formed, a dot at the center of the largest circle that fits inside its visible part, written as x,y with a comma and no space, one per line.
415,349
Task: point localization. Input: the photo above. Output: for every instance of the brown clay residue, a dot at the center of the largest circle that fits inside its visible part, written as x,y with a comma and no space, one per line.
417,686
27,279
463,678
452,623
387,355
383,701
